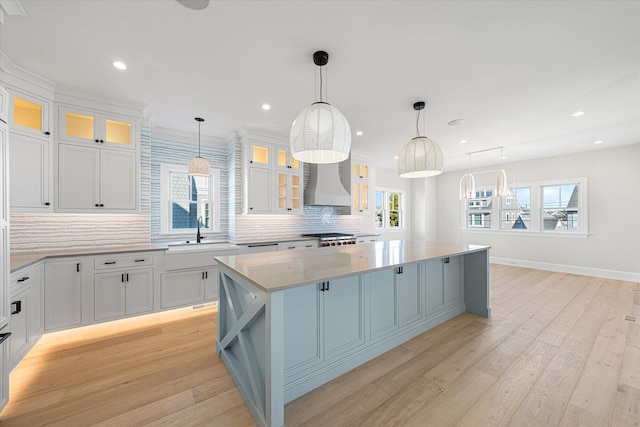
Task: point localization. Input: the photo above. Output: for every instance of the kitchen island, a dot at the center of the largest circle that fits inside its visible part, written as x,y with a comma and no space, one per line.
291,321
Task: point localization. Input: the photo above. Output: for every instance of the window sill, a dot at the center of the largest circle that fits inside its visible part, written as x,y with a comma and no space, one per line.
563,234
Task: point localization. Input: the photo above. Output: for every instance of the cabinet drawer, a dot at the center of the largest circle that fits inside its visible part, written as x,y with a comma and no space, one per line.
20,278
123,261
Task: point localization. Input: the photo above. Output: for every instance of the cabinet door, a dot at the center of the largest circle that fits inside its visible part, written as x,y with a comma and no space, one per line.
383,302
4,276
260,155
118,131
62,294
109,295
302,328
30,173
4,370
78,126
260,196
408,294
36,299
284,160
4,176
452,279
4,105
343,315
118,183
19,327
211,284
181,288
434,291
139,291
29,115
78,177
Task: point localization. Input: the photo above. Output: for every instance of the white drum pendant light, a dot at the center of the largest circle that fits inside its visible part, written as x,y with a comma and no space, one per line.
320,133
199,166
421,157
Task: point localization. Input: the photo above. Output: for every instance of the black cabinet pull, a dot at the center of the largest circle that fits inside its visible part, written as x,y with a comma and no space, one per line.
3,337
399,270
102,141
127,277
206,274
47,203
96,205
203,275
47,133
16,307
327,288
122,278
446,260
322,287
23,279
109,262
101,205
78,267
139,260
97,140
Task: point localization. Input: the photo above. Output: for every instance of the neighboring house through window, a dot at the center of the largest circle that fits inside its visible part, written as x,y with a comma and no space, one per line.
389,209
188,200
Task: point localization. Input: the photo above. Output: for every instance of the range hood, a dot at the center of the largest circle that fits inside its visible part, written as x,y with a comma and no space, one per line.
324,187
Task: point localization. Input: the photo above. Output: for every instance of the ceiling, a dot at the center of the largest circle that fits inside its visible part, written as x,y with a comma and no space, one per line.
514,70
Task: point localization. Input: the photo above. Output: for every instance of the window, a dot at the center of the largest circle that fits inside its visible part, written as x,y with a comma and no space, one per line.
389,209
550,207
187,200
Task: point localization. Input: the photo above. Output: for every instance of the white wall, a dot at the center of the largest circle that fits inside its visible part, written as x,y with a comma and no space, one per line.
613,246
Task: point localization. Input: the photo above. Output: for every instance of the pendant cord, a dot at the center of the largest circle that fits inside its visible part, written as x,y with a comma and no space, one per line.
320,83
199,123
417,120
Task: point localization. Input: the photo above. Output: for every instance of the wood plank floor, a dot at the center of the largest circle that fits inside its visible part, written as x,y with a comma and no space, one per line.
557,351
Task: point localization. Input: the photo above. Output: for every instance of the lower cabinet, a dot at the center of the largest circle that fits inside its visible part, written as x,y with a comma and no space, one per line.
27,322
444,283
395,299
182,288
119,294
63,294
322,321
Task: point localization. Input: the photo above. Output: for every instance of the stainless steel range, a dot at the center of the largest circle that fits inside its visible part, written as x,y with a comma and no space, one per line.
333,239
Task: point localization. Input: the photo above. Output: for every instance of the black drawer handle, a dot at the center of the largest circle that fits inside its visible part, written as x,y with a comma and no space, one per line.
109,262
140,260
446,260
23,279
16,307
3,337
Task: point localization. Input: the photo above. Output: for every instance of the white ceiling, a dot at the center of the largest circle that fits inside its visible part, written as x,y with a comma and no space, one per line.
515,70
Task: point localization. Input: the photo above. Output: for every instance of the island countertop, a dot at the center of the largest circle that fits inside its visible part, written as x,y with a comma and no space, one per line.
275,271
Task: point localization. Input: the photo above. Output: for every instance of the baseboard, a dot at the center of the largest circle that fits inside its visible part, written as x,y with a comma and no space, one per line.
571,269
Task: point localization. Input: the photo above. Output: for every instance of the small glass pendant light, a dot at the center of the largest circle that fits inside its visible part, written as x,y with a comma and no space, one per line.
468,184
199,166
421,157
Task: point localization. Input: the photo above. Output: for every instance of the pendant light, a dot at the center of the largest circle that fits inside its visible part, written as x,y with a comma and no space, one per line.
502,189
421,157
468,184
199,166
320,133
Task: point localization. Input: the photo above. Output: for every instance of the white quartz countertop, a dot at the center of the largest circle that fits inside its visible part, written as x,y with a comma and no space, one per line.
274,271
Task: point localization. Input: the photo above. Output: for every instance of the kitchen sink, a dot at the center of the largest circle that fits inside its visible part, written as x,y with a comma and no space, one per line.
203,246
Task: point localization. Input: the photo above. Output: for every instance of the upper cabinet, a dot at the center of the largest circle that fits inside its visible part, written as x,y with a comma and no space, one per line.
86,126
357,176
4,105
273,178
30,115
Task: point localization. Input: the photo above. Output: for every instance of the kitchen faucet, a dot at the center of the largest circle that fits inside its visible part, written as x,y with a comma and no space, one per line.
198,236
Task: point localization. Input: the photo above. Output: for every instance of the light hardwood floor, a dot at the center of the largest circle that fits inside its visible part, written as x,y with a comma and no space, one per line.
557,351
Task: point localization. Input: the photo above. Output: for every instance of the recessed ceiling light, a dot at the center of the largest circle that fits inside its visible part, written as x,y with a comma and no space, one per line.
598,142
578,114
119,65
266,107
395,157
464,141
359,133
457,122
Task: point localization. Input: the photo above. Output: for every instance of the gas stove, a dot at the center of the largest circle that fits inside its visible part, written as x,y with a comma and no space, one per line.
333,239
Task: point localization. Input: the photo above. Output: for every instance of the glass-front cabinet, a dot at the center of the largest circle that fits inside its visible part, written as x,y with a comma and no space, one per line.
289,192
260,155
29,115
360,187
86,126
286,160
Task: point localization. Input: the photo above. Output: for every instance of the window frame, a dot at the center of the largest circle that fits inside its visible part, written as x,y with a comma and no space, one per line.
166,169
536,224
386,212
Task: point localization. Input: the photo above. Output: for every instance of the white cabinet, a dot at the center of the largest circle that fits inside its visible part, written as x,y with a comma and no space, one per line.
297,244
63,294
4,251
87,126
4,367
371,238
31,157
27,321
31,189
182,288
92,179
123,293
357,175
30,115
273,179
4,105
